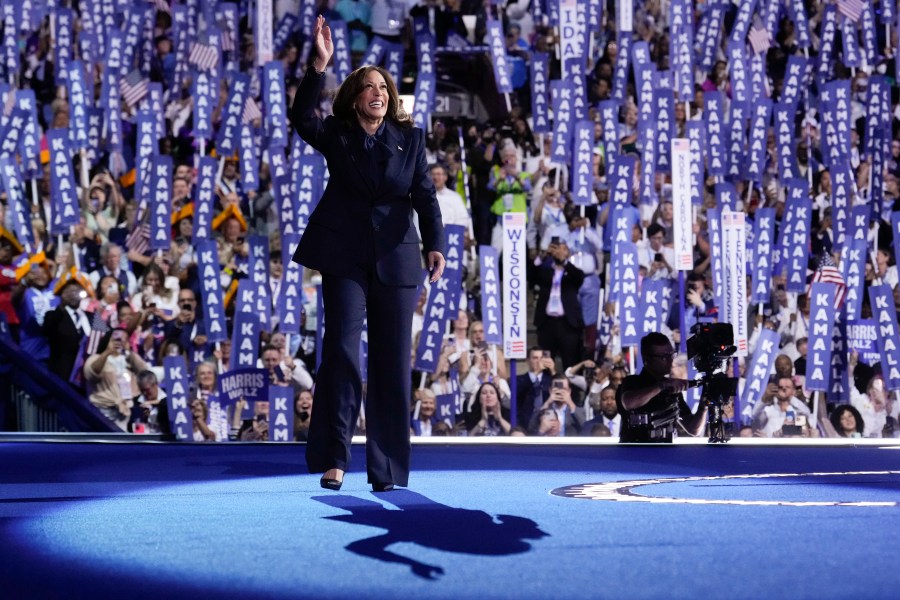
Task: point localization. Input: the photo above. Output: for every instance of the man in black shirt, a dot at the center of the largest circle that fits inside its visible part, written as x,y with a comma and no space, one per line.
651,403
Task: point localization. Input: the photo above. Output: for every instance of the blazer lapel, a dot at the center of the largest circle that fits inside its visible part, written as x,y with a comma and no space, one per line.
393,146
359,161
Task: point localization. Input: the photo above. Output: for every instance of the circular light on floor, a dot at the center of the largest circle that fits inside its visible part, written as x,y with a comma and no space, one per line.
624,491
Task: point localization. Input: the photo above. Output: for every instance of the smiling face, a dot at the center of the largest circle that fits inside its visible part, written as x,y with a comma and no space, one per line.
304,401
427,406
848,422
206,376
371,104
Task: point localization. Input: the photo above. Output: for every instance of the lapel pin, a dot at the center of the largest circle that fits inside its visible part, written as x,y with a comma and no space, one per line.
400,148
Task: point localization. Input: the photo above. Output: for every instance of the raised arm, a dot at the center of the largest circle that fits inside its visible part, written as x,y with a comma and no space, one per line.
303,110
324,45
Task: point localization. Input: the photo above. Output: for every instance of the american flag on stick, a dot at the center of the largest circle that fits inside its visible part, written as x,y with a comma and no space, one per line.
10,105
204,56
852,9
99,327
759,39
133,87
827,272
251,111
139,239
227,36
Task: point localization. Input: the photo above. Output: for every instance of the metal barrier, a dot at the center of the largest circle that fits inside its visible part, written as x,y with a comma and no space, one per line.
32,399
29,414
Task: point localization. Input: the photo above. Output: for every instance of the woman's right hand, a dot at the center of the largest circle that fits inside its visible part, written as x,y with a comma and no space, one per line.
323,43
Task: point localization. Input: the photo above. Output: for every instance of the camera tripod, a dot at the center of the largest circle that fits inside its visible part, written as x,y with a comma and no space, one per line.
715,402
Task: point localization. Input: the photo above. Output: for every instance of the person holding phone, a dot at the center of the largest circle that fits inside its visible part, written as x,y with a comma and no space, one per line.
511,187
557,313
111,377
361,238
654,255
571,418
494,419
187,328
784,410
482,371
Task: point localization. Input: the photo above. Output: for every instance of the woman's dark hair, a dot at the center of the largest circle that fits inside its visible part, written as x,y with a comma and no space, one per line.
838,412
478,394
344,102
473,414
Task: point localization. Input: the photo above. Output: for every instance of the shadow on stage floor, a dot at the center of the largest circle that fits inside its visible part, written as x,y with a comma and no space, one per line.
485,520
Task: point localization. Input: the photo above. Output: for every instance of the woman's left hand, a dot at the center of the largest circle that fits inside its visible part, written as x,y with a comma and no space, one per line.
436,264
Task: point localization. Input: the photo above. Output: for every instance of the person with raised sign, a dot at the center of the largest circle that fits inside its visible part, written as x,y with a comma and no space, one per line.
361,238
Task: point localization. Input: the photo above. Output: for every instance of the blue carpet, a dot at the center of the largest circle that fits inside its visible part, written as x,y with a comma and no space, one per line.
479,521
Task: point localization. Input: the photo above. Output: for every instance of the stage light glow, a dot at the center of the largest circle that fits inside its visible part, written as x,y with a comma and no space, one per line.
623,491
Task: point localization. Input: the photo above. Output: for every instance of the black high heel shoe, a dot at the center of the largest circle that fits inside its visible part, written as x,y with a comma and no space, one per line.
383,487
331,484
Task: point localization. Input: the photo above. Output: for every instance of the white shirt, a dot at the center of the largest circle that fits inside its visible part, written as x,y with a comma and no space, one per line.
775,416
646,254
388,17
453,209
890,276
614,425
79,318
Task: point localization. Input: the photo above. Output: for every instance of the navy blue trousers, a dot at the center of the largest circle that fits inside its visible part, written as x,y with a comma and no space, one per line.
348,300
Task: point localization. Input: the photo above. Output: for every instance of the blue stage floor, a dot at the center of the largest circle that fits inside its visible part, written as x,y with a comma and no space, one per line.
161,521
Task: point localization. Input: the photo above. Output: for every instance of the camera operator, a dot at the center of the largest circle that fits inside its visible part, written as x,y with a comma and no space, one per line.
651,402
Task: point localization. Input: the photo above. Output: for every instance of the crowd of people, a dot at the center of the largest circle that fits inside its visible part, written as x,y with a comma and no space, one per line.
102,310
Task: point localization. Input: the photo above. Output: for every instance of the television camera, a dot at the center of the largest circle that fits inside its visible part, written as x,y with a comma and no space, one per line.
709,347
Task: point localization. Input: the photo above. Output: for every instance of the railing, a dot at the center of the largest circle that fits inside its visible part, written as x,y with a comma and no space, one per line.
32,399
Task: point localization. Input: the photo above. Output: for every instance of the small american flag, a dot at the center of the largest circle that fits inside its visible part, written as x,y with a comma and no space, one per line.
852,9
759,39
99,327
139,239
133,87
827,272
227,37
204,56
10,104
251,111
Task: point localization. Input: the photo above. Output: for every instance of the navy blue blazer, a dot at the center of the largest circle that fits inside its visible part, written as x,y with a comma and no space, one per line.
361,212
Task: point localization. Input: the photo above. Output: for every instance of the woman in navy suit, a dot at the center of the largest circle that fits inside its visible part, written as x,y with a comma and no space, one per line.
362,239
